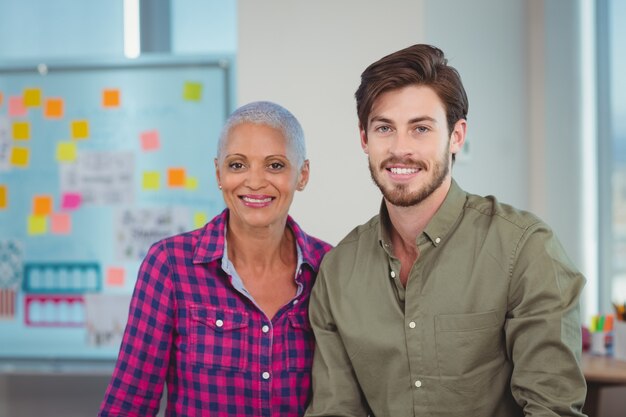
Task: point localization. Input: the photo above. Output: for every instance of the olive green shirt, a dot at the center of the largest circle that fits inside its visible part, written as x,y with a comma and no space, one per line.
488,324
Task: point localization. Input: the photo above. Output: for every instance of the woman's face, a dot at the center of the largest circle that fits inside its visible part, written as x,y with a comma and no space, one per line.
257,176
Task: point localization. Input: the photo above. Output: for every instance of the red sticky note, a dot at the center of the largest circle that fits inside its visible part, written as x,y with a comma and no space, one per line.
17,107
150,140
115,276
71,201
61,223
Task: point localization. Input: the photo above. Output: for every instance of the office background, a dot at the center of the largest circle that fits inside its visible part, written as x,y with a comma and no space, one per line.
524,65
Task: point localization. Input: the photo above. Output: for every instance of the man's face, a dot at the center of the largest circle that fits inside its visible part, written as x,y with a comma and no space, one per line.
408,144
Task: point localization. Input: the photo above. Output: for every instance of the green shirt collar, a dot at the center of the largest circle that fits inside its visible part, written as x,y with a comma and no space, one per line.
441,223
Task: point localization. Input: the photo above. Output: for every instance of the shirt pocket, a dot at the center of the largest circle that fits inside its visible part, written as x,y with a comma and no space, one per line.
468,345
299,341
218,338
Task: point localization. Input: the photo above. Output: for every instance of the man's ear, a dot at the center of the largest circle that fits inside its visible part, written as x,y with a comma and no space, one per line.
457,137
363,135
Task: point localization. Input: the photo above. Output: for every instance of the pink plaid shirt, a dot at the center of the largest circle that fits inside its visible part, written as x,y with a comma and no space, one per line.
219,354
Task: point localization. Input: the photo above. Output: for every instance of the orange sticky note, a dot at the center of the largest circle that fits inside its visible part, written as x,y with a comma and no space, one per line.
66,151
42,205
32,97
176,177
115,277
151,180
20,156
37,225
60,223
1,98
110,97
192,91
150,140
80,129
16,107
4,197
21,130
53,108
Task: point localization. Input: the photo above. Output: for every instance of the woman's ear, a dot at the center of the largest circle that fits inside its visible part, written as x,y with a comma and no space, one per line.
303,177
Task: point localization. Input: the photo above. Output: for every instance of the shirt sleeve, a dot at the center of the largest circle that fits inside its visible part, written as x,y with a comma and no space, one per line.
137,383
543,328
336,391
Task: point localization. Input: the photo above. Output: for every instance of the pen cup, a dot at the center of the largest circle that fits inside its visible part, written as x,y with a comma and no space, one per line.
619,340
598,343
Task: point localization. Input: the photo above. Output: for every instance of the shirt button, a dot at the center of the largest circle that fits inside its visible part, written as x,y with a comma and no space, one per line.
295,302
412,325
393,274
266,375
438,240
219,323
265,328
418,384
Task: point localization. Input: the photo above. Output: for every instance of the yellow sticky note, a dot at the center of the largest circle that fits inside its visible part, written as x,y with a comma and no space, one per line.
37,225
53,108
21,130
20,156
60,223
176,177
42,205
111,98
4,197
32,97
199,219
66,151
80,129
191,183
151,180
192,91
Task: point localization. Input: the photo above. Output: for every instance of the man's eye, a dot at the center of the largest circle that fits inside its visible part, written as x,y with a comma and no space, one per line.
422,129
383,129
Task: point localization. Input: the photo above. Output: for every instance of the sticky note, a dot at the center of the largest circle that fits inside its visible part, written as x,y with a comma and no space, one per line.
37,225
71,201
60,223
80,129
150,140
191,183
199,219
66,151
115,276
111,98
4,197
1,98
42,205
151,180
16,107
53,108
192,91
32,97
21,130
176,177
20,156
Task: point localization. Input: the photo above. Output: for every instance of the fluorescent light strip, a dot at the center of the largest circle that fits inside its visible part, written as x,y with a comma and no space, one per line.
132,43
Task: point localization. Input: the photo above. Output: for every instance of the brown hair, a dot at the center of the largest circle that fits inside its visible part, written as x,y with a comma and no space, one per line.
418,64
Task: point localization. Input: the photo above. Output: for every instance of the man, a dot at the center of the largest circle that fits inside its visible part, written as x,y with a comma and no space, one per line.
446,303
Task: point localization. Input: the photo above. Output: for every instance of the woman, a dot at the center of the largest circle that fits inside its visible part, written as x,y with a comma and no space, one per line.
219,314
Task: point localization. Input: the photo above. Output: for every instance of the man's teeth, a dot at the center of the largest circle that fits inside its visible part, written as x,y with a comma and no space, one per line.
257,200
403,171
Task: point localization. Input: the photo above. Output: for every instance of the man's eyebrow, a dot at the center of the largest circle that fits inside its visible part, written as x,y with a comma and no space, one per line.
413,120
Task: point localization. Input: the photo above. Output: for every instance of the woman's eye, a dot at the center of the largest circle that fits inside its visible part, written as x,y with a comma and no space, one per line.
276,166
235,165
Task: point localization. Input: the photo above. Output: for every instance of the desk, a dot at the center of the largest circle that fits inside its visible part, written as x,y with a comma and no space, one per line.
600,371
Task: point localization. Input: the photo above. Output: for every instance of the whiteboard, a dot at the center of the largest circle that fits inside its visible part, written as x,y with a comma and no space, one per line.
98,160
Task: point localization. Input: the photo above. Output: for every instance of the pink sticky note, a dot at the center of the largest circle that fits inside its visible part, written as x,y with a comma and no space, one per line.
17,107
115,276
61,223
71,201
150,140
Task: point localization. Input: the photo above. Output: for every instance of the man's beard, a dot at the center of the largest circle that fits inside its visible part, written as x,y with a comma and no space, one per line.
400,195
